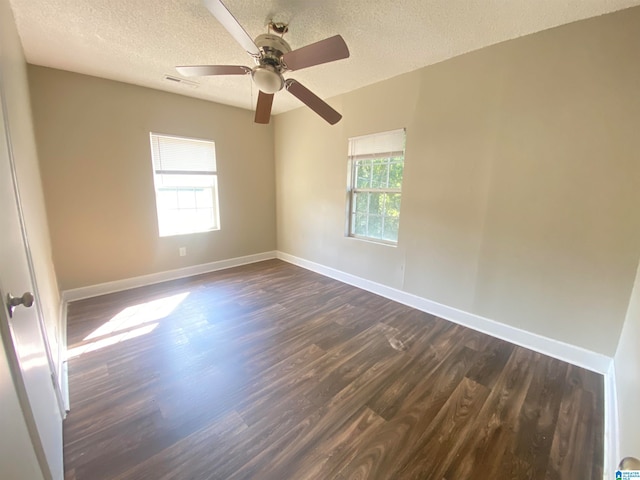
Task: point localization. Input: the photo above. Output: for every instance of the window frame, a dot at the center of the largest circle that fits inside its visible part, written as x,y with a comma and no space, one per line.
157,186
353,190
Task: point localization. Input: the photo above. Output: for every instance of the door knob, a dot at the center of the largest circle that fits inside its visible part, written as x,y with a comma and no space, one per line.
12,302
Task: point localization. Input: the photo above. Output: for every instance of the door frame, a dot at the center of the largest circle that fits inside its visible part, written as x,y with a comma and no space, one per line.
55,378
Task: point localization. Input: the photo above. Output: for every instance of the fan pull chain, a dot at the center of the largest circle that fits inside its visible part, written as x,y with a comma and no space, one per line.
251,90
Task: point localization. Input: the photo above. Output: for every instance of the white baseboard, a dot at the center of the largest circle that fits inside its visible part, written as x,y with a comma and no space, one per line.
611,425
128,283
581,357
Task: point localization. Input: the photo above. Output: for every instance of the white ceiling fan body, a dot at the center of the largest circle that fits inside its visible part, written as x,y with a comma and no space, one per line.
273,57
267,74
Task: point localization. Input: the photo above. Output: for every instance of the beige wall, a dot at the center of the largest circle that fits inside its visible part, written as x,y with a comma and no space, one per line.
521,190
20,124
627,367
93,140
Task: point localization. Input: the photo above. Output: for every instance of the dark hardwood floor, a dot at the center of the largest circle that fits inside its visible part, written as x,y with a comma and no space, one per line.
269,371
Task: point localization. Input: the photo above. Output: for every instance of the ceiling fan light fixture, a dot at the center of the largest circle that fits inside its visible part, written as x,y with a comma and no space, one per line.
267,79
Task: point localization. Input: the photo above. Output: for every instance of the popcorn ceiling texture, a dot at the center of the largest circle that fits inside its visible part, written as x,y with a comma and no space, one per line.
139,41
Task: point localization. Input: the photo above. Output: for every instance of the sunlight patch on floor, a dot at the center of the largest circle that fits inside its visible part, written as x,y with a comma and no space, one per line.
133,321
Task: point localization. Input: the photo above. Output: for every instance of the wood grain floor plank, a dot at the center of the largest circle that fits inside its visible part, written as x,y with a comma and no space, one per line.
326,422
496,425
490,363
539,415
446,433
269,371
385,454
189,452
574,431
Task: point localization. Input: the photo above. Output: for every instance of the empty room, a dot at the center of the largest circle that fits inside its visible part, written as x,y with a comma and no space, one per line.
319,240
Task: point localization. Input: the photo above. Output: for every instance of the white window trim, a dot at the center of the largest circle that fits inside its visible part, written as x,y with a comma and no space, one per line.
212,173
352,190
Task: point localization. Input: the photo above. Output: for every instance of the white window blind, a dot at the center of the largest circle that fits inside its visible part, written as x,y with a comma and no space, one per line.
175,154
387,144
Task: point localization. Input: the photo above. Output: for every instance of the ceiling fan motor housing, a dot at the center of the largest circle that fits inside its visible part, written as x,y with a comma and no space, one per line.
272,47
267,75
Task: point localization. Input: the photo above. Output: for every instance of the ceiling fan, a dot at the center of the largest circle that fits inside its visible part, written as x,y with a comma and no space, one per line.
273,57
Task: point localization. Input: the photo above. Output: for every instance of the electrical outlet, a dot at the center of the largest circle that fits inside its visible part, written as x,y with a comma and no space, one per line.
182,251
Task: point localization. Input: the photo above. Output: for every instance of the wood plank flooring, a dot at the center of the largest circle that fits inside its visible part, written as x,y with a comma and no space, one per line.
269,371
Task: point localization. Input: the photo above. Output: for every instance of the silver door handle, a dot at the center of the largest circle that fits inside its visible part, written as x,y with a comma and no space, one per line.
12,302
629,463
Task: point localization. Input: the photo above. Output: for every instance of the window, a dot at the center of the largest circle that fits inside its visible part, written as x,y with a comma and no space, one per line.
376,164
184,173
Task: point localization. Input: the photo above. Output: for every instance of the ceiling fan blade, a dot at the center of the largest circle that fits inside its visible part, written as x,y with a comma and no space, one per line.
263,109
312,101
228,21
327,50
203,70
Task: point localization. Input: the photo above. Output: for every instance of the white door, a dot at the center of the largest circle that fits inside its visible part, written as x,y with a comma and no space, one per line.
25,372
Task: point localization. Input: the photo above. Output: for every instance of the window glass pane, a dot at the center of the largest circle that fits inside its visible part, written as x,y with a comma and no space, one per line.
361,202
186,198
376,203
205,217
375,226
392,204
395,173
167,198
204,198
188,220
363,174
184,180
390,229
360,224
379,177
168,221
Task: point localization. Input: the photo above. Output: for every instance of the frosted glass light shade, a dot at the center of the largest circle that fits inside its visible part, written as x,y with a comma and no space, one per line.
267,79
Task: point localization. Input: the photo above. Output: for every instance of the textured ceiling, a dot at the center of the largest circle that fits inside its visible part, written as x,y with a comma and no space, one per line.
139,41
